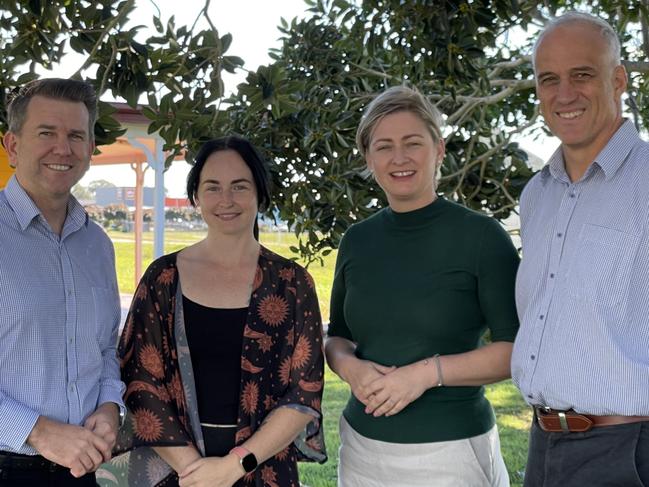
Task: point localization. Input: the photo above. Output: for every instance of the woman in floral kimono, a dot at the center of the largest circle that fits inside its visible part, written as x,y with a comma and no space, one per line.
222,348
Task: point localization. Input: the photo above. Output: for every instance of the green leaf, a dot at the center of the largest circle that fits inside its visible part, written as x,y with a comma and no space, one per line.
158,24
226,40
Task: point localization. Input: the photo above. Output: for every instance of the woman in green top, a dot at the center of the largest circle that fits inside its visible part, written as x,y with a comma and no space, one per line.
416,286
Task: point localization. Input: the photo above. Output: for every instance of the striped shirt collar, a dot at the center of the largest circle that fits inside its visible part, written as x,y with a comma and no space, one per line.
609,160
26,210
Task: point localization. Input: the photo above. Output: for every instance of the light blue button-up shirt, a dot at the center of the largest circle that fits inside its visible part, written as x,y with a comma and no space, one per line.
582,289
59,316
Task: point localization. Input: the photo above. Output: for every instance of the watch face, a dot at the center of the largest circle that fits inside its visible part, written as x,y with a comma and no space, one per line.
249,462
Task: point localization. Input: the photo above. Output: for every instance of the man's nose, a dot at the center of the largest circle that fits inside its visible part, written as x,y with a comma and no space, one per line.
62,146
566,91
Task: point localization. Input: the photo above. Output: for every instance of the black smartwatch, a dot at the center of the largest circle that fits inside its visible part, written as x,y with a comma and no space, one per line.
247,459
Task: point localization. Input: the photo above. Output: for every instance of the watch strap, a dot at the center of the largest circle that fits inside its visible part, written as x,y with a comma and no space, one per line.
240,451
247,459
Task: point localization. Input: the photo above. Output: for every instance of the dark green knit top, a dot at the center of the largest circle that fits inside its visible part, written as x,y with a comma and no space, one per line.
410,285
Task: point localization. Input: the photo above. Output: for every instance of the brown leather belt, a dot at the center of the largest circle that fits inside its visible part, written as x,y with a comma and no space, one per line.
555,421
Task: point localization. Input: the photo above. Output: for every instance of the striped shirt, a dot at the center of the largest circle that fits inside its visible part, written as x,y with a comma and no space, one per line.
59,319
582,289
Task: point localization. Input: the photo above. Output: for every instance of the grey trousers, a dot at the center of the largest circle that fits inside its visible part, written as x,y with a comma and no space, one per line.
611,456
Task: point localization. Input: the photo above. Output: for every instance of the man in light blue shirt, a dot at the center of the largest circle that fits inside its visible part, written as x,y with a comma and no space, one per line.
581,357
60,392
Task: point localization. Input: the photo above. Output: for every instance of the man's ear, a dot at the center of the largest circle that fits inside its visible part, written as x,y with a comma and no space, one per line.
620,79
92,147
10,141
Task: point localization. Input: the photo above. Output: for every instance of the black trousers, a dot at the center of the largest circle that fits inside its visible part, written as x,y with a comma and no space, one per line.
11,477
611,456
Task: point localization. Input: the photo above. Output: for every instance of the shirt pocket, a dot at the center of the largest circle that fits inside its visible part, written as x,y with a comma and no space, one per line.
602,266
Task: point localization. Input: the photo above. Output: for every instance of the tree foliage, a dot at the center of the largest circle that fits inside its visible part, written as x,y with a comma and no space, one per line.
176,68
470,57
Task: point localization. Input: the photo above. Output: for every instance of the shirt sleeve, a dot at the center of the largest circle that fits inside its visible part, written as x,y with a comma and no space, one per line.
337,324
17,422
111,387
496,268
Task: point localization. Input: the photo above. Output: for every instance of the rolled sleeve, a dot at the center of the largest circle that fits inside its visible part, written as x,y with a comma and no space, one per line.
112,391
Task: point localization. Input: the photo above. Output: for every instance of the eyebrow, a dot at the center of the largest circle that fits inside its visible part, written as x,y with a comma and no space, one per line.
236,181
54,127
387,139
544,74
572,70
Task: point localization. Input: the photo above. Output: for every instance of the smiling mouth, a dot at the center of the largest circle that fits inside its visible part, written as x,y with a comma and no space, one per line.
59,167
227,216
402,174
570,115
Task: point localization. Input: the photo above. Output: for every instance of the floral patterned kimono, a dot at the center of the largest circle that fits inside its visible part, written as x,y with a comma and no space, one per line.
281,366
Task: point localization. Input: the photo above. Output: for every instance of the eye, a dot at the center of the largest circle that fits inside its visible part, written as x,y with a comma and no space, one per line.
77,137
548,80
45,133
239,187
583,76
212,189
381,147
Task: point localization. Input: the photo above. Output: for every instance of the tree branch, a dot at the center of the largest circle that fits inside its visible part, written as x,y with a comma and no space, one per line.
636,66
485,156
113,56
376,73
645,31
89,60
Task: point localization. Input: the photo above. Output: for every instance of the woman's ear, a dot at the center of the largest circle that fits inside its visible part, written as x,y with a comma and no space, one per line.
441,152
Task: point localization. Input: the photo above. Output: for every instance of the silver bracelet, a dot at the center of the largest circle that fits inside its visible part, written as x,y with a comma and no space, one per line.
440,377
438,365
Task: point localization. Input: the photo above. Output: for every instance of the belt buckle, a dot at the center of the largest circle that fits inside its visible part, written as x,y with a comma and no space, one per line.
563,421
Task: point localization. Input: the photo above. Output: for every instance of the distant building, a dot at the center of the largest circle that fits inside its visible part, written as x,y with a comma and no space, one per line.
122,196
178,203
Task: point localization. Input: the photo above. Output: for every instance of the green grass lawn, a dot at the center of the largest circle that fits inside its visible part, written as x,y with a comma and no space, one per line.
512,414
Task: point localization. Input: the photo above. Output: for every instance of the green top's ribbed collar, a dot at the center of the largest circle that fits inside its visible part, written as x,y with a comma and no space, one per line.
416,218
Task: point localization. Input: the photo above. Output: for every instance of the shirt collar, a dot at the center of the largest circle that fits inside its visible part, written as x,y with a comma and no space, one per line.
26,210
610,158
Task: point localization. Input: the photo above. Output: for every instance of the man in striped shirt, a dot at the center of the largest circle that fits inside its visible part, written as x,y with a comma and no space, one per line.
581,357
60,392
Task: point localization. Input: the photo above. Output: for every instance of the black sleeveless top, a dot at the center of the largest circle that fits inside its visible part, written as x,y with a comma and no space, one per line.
215,337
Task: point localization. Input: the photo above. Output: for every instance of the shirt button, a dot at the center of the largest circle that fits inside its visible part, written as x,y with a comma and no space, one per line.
551,276
541,317
559,234
532,357
572,195
69,292
530,396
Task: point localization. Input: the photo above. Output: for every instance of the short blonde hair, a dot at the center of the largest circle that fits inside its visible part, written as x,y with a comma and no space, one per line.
397,99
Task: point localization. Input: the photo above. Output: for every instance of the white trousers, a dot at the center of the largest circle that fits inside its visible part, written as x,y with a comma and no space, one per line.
471,462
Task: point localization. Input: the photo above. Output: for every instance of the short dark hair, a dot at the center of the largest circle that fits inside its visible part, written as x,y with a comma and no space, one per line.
250,156
56,89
